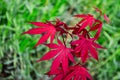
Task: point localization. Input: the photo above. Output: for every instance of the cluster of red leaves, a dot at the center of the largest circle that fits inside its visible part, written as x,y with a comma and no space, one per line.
64,66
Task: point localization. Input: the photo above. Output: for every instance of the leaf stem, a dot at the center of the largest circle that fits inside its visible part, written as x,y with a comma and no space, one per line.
63,40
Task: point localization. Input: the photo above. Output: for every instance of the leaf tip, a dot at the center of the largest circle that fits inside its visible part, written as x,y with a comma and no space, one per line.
106,18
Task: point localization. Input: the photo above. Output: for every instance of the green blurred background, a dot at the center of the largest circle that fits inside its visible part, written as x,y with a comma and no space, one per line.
17,56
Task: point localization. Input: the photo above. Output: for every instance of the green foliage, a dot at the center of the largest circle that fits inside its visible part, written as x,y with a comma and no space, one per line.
17,55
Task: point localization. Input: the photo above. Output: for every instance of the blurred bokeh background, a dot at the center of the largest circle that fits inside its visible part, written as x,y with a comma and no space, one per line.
17,56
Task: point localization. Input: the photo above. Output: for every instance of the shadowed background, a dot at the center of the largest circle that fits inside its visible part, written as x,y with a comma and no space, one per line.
17,56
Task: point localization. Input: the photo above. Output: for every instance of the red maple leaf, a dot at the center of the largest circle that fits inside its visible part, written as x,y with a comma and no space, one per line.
83,46
97,26
58,74
87,20
78,73
106,18
98,10
60,26
61,55
47,29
